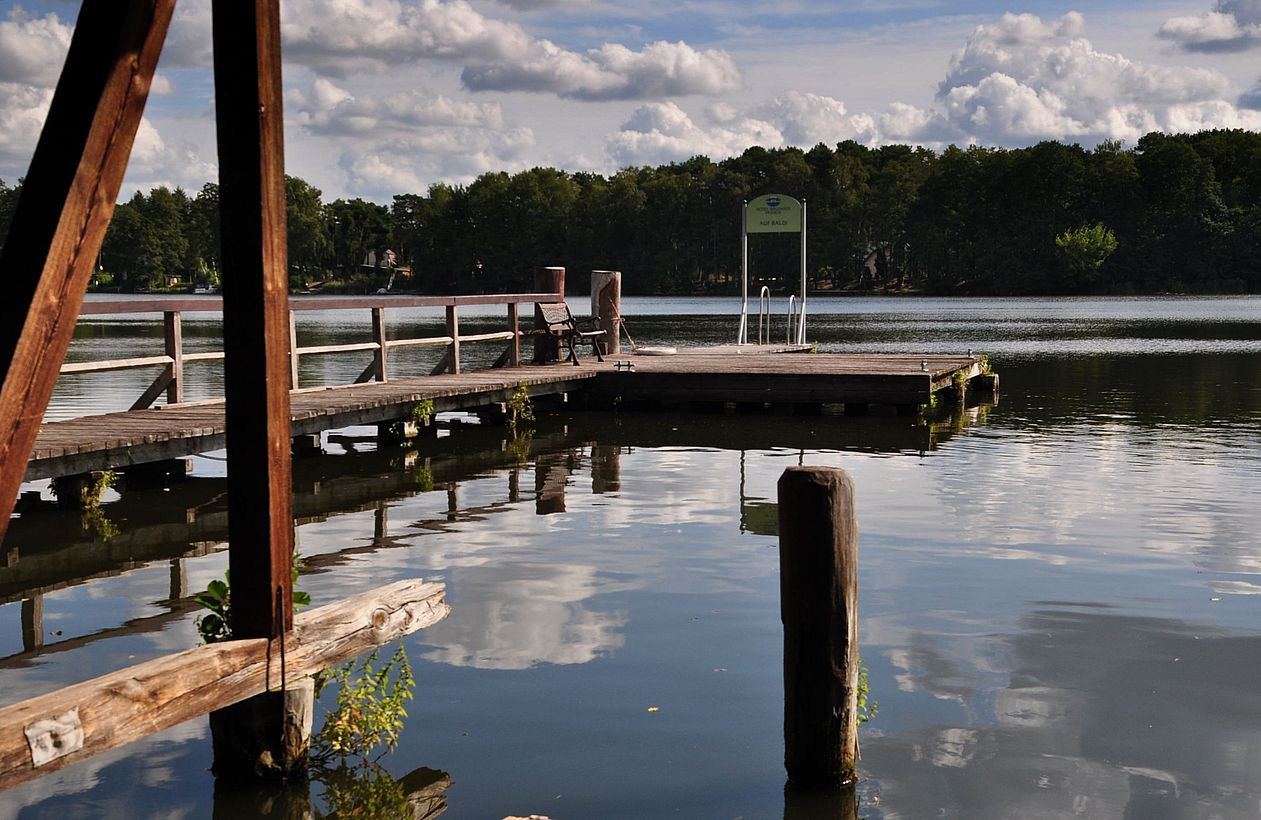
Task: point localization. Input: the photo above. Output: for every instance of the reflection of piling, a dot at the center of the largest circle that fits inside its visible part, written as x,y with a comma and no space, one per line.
815,804
551,473
606,468
818,554
606,304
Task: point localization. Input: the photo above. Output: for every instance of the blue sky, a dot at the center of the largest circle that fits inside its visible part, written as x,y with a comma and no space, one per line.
391,96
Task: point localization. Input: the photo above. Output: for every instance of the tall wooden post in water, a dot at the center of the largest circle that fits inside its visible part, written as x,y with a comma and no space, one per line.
266,733
818,557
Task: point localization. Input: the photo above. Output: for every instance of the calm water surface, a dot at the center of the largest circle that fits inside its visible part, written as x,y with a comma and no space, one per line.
1060,601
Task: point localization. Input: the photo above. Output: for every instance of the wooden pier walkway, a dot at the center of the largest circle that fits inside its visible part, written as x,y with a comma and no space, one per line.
125,439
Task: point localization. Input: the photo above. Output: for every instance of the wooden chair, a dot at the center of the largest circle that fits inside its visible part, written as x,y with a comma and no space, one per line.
554,319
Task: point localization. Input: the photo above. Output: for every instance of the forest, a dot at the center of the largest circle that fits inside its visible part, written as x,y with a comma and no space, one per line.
1174,213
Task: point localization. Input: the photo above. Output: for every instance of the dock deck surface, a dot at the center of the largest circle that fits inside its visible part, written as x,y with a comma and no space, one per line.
171,431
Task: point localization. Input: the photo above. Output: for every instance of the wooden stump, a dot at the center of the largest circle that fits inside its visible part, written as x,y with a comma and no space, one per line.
265,737
818,554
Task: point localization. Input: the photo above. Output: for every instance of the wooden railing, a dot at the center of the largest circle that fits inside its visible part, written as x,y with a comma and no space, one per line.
171,380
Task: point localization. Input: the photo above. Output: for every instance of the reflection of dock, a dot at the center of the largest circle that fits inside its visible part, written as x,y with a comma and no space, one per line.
799,381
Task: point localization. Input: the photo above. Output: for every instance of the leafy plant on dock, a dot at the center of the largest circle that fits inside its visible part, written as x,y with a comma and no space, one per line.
216,625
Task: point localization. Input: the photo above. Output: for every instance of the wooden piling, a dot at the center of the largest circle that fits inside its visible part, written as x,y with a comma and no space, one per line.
547,346
606,303
818,554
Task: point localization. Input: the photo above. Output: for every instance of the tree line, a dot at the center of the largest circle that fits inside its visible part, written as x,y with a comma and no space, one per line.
1173,213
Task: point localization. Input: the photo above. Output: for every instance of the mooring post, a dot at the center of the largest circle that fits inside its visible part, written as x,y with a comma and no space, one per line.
606,303
818,559
265,736
547,280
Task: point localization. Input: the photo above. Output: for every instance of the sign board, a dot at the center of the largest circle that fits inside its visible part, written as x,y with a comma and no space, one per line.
773,213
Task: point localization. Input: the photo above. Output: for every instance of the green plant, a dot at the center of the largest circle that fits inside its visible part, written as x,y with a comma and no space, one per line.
867,707
362,790
520,409
371,707
89,490
986,368
421,411
216,625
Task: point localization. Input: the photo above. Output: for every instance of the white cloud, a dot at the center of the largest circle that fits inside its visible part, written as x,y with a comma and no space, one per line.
343,37
155,162
331,110
808,119
22,112
611,72
1233,25
1251,98
405,141
1023,79
663,132
32,49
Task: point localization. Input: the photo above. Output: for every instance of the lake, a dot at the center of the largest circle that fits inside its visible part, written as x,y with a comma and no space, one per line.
1060,596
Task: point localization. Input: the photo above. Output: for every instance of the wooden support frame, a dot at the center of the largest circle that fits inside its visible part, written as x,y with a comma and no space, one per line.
65,208
258,365
87,718
173,338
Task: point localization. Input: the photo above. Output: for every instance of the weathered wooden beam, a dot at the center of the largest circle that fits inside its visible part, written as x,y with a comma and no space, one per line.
74,723
818,582
65,207
257,371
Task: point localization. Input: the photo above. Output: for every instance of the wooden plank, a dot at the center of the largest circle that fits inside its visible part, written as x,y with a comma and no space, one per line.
428,341
346,348
114,364
498,336
257,367
65,208
453,330
123,706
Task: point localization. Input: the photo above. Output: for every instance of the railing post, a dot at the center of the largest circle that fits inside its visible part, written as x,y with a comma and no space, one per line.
453,330
378,335
514,325
173,331
293,350
818,559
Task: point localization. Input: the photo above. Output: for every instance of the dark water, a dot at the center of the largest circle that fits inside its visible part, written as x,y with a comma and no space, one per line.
1060,602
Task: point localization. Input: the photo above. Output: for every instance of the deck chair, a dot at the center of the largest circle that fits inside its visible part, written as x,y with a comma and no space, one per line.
555,319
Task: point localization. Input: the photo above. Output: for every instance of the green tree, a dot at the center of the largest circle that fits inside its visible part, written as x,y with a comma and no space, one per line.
309,244
1084,250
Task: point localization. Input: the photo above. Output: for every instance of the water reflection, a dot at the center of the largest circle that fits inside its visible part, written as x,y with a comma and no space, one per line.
1059,599
1102,715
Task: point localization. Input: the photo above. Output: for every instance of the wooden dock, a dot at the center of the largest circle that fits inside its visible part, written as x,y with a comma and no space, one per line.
124,439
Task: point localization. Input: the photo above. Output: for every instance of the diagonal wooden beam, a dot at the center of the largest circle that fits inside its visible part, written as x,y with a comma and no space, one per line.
65,207
249,121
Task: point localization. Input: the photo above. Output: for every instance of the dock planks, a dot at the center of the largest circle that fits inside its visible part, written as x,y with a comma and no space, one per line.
703,375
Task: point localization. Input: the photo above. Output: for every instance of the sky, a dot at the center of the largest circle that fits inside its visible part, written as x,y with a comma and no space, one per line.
392,96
